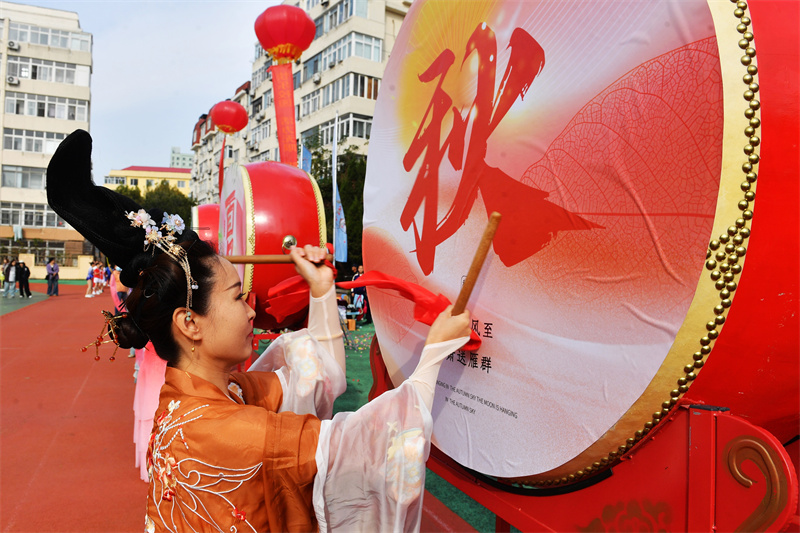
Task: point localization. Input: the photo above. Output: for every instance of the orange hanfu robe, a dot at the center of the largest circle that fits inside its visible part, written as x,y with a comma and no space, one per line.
222,464
270,458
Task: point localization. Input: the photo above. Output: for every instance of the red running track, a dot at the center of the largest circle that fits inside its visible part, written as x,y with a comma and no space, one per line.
66,421
66,425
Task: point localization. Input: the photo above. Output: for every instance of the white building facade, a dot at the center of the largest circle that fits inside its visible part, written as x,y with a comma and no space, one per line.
45,69
341,71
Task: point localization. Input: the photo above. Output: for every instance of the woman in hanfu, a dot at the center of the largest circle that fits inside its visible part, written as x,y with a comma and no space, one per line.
254,451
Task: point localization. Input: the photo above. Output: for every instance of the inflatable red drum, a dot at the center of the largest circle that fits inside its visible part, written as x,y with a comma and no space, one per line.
205,221
265,208
621,143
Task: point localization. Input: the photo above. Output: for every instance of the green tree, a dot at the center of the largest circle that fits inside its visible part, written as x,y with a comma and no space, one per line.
351,173
131,192
162,196
170,199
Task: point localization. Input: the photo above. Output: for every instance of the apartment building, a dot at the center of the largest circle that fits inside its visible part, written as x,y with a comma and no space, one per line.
145,178
340,72
207,147
179,160
45,70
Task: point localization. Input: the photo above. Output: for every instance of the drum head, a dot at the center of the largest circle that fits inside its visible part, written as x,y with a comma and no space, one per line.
598,131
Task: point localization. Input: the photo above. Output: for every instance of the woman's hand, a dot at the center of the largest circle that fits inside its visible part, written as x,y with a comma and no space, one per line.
447,327
309,261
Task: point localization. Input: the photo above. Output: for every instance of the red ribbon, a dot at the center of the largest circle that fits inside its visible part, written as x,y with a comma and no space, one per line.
291,296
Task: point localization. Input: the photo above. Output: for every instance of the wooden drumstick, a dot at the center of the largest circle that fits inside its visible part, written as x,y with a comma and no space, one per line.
275,259
477,264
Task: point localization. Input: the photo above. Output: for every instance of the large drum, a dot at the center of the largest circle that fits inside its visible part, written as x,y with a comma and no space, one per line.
205,221
621,142
264,206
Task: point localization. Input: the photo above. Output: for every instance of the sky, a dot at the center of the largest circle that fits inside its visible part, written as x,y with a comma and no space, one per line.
158,66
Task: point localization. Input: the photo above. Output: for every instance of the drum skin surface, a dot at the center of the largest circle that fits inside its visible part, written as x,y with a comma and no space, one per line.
620,283
262,204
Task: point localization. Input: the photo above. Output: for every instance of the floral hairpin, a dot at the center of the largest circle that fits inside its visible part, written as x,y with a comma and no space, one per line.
111,331
171,224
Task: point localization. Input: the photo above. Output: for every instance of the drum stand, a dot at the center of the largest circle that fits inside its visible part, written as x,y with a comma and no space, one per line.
703,469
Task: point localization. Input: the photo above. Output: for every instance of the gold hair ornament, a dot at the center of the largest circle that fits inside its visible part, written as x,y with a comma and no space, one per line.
110,328
171,224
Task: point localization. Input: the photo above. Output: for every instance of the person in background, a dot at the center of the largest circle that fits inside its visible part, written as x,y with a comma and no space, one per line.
120,288
52,277
24,274
89,283
360,296
97,278
11,273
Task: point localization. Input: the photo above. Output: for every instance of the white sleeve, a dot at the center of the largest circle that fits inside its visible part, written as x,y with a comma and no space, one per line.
371,465
324,325
311,378
424,376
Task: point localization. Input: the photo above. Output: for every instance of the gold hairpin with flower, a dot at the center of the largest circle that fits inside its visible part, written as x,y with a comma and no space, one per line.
171,224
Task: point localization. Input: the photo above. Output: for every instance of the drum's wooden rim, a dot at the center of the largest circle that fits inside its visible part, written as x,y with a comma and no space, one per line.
716,286
323,237
250,228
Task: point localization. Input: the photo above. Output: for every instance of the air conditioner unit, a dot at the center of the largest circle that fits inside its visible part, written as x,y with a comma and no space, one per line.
12,80
324,2
260,115
317,78
244,134
13,45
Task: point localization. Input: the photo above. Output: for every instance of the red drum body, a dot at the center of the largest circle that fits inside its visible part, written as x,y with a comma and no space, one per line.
647,174
263,204
205,222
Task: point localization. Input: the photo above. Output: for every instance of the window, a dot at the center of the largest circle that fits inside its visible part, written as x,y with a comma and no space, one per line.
181,184
268,98
257,105
150,183
44,142
44,70
262,131
23,177
26,33
262,74
34,215
320,27
311,67
296,79
367,47
134,182
366,86
338,14
114,180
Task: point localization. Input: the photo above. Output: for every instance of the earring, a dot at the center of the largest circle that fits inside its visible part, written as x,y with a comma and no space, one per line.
192,345
188,315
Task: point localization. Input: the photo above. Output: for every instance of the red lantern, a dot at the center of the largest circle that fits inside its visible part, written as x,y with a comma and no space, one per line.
284,32
228,116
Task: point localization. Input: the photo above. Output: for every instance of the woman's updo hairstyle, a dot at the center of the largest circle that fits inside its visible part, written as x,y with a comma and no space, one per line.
161,288
158,280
